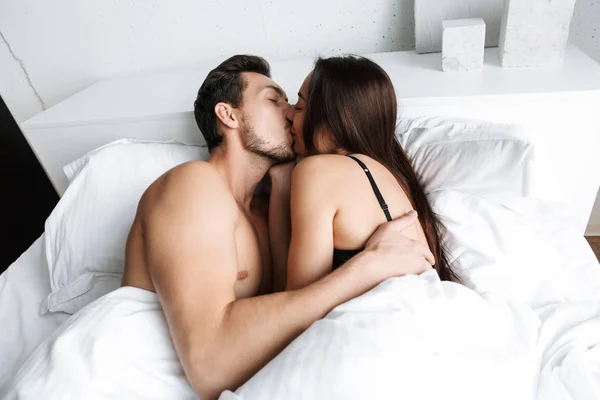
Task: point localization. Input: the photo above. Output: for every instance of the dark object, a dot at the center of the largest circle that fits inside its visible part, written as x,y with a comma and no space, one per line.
26,195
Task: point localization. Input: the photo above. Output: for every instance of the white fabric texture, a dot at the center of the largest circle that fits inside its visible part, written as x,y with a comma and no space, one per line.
117,347
468,156
23,287
570,343
87,231
411,337
125,333
478,177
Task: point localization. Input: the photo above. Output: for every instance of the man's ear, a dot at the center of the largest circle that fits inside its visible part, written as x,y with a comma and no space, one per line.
225,114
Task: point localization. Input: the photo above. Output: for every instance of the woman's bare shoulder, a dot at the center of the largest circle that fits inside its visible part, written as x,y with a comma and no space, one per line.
318,177
322,166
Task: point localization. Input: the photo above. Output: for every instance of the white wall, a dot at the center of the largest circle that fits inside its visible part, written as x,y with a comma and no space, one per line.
14,85
66,45
49,50
585,27
585,33
594,224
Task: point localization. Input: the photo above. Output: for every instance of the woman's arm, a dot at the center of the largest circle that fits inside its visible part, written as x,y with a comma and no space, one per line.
279,222
312,212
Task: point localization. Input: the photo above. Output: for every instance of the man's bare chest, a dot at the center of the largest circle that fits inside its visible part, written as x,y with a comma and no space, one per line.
253,254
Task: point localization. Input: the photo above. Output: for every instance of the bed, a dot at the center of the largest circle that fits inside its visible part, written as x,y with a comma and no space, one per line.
558,108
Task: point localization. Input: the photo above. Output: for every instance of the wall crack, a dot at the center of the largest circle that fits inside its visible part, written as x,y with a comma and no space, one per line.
20,62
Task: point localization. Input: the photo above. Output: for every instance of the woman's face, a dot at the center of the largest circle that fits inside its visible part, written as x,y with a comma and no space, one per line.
298,117
324,142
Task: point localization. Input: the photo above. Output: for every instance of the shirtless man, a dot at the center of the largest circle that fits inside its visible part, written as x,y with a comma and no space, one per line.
202,244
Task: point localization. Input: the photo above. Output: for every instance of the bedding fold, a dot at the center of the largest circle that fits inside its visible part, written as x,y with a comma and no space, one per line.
117,347
411,337
570,342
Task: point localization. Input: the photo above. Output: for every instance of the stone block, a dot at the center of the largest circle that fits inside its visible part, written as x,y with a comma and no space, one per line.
463,44
429,15
534,33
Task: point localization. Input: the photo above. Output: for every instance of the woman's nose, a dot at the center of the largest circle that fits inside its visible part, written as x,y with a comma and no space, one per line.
289,113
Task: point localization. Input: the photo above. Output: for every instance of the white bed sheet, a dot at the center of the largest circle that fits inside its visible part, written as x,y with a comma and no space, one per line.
25,284
569,335
23,287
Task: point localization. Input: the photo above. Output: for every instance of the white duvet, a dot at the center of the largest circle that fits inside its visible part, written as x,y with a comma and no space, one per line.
526,326
410,337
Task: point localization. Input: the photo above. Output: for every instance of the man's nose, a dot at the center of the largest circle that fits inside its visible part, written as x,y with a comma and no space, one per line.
289,113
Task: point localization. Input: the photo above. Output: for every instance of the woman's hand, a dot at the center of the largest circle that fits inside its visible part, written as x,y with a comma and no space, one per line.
280,227
281,176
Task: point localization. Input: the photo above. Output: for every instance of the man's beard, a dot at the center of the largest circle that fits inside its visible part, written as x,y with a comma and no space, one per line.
280,154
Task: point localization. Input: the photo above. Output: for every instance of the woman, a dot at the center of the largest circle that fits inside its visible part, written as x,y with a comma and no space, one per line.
356,175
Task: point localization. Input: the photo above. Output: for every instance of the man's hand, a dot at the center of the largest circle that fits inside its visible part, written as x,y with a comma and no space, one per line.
393,254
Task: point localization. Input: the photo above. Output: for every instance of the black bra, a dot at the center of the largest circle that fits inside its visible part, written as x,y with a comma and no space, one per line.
341,256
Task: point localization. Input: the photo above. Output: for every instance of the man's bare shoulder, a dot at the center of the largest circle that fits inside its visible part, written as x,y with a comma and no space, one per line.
189,186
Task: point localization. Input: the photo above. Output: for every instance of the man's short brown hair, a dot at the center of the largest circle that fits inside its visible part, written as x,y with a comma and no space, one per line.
224,84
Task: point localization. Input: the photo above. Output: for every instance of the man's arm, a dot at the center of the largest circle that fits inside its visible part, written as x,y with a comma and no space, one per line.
190,251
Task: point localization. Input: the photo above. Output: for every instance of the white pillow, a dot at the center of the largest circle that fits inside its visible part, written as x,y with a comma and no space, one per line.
481,158
87,231
479,178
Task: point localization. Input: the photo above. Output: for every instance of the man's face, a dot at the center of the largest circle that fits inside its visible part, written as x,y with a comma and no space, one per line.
265,129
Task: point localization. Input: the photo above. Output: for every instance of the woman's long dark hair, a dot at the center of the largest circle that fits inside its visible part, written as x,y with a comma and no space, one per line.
353,98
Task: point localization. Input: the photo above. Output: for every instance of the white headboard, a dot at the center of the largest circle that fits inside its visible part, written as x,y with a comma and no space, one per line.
559,108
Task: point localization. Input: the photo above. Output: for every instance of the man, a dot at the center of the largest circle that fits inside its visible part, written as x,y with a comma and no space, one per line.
200,239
